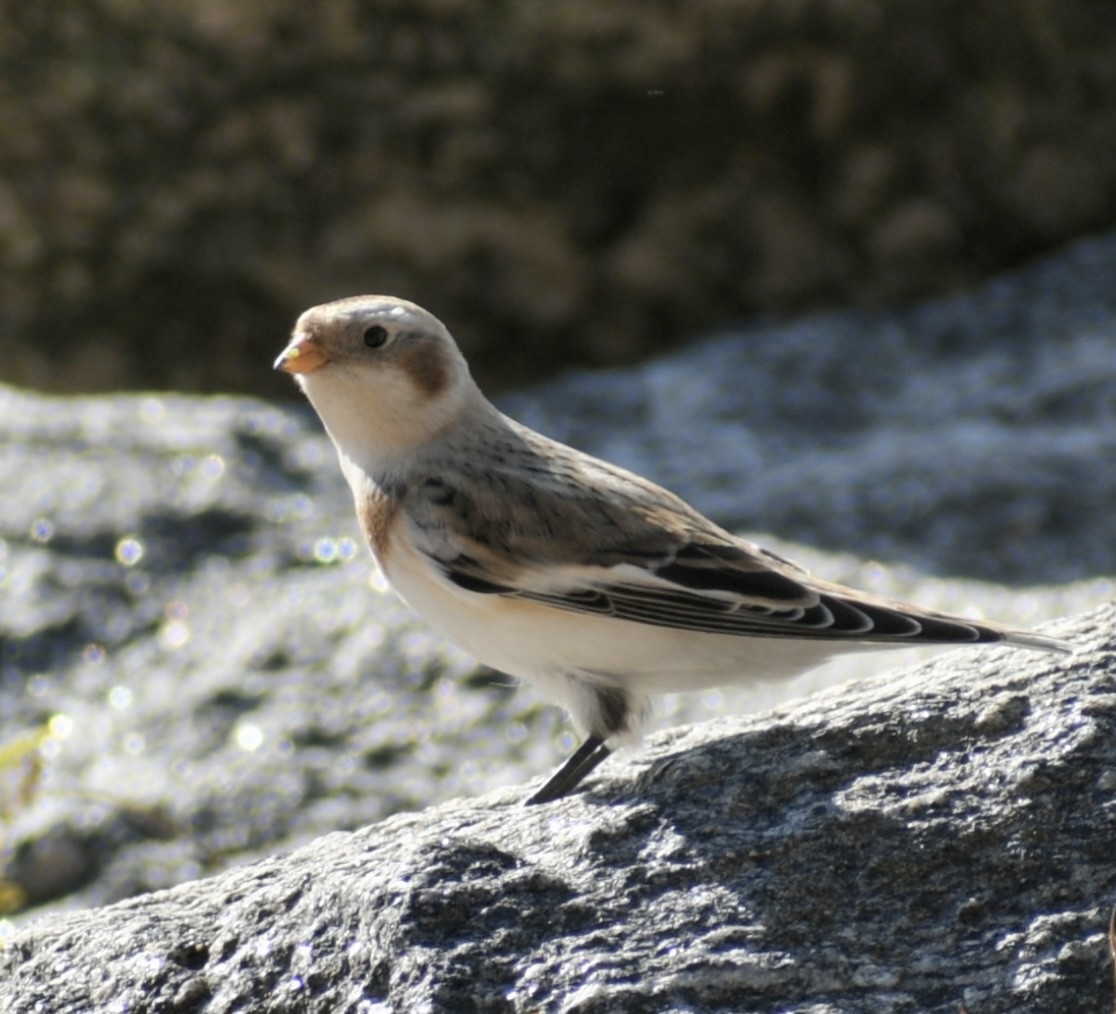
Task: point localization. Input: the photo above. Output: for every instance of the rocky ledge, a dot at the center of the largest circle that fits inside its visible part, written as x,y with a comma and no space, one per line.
935,841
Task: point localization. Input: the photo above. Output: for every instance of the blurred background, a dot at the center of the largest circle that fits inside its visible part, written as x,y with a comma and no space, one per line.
574,183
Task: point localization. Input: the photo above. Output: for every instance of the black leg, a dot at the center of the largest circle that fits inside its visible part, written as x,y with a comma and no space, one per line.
567,778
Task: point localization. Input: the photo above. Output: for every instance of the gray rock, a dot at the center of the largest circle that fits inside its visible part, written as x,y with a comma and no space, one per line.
934,841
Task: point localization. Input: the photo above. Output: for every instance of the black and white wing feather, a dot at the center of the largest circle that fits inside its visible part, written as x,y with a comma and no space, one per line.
625,548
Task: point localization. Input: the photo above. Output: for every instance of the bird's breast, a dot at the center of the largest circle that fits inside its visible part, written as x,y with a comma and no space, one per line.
379,514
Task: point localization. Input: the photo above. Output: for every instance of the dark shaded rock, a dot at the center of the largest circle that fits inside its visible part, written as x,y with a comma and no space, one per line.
936,839
561,183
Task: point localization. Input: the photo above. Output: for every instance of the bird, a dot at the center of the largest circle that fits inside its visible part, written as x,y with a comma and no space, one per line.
602,588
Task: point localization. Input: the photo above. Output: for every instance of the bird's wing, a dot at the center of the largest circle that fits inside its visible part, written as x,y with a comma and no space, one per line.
627,549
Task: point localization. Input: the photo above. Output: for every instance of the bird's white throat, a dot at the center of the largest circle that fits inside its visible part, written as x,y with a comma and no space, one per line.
377,420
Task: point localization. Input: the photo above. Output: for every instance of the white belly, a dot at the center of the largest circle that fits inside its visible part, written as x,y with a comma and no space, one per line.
546,644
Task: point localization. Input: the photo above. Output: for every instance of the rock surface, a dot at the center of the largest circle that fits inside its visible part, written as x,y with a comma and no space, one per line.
563,182
934,841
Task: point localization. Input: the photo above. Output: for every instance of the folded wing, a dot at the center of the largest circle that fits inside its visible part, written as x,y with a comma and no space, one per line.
611,554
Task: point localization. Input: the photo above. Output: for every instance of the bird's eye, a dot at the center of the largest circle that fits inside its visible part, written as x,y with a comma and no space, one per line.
375,336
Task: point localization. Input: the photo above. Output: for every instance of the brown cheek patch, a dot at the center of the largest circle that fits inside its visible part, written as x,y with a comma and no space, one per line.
426,365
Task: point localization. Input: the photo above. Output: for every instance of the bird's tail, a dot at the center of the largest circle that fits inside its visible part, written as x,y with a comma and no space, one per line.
1037,642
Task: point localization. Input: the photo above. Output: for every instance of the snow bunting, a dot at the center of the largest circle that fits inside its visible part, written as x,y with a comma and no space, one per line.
557,567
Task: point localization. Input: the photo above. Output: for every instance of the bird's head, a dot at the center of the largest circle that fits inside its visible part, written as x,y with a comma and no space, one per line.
384,375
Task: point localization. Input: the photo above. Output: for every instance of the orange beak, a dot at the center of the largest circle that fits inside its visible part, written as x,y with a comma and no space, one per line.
304,355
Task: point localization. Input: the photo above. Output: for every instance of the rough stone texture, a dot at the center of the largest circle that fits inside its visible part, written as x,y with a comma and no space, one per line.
934,841
563,182
184,607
